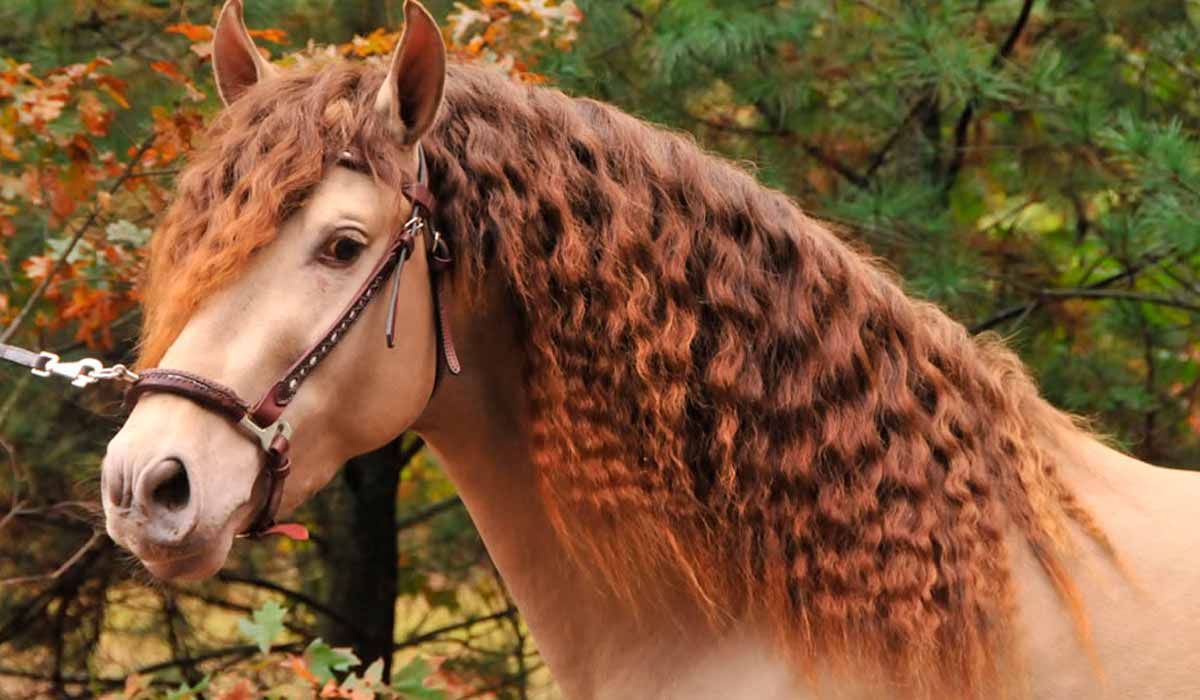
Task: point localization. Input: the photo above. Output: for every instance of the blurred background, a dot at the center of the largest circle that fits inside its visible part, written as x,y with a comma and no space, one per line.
1032,166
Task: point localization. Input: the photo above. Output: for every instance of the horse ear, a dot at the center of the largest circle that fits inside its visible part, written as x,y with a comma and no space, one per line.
237,63
412,92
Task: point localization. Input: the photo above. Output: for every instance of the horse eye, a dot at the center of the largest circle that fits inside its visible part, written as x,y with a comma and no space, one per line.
342,250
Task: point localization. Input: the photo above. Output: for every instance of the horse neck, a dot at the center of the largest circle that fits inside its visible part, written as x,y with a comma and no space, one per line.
478,425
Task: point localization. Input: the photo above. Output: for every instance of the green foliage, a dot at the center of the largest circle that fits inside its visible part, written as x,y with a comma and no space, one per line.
323,660
410,682
187,692
266,625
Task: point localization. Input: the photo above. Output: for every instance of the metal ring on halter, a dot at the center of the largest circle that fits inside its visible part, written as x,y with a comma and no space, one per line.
83,372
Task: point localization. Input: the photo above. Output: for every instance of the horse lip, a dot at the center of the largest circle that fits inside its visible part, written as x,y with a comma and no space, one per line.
189,565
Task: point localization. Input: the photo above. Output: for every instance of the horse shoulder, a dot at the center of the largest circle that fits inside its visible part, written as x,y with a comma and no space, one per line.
1141,608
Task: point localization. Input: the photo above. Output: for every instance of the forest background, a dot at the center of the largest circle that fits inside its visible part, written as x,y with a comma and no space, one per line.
1032,166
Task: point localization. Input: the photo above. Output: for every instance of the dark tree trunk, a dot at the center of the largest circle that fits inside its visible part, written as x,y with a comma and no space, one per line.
360,554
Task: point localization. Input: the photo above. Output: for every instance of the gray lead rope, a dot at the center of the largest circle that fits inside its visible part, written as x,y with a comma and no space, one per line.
21,356
81,372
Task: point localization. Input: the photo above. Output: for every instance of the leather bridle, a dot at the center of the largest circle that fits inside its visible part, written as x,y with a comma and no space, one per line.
263,421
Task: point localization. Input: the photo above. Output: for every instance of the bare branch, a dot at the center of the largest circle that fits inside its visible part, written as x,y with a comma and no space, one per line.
62,568
428,512
433,634
964,120
1094,290
297,596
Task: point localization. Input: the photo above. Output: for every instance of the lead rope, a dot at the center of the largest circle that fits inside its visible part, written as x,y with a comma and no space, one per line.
81,373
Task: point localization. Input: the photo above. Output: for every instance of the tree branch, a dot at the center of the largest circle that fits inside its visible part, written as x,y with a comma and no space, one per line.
1095,290
62,569
316,605
83,228
816,152
428,512
1120,295
964,120
465,624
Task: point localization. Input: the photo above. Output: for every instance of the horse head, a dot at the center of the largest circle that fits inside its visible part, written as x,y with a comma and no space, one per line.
285,229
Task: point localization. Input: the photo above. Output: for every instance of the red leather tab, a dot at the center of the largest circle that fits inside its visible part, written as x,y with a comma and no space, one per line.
280,446
292,531
269,407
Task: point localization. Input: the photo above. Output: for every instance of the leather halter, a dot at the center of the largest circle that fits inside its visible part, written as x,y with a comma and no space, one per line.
262,422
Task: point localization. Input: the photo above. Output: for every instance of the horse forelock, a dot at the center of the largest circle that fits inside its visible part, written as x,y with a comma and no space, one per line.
719,387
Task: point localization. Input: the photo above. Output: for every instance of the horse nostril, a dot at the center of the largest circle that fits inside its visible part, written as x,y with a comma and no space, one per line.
114,483
167,485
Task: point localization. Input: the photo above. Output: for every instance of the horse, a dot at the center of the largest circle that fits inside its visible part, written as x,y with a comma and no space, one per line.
713,449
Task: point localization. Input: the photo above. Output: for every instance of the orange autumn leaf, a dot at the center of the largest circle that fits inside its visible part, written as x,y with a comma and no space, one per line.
61,203
275,36
296,665
95,117
114,88
95,310
194,32
170,70
243,690
7,146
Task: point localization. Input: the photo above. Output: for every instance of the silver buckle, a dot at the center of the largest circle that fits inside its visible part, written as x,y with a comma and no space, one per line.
267,434
83,372
414,225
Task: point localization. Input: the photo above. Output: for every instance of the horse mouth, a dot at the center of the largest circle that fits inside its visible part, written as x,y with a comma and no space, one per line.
186,566
199,555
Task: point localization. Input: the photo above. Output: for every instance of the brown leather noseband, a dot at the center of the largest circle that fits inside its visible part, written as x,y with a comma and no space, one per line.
262,422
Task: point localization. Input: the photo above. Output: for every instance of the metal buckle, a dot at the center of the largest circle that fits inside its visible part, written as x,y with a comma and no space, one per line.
266,435
83,373
414,225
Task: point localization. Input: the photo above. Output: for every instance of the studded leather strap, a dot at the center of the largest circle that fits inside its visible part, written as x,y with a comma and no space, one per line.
207,393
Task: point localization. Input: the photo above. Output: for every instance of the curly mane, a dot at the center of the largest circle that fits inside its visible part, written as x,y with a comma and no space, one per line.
720,387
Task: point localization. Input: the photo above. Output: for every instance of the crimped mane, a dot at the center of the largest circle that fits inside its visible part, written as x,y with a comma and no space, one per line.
720,387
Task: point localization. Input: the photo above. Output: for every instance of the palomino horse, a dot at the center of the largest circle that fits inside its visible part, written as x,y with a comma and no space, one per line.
713,451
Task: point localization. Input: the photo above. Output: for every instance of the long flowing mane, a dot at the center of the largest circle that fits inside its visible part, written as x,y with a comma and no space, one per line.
719,385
